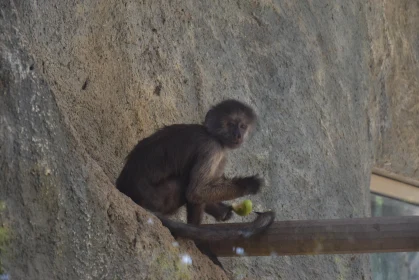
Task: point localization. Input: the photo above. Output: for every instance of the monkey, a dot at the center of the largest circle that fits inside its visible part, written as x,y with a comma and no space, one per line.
183,164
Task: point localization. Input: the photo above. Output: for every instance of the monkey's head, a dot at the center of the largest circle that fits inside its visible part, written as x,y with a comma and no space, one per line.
230,122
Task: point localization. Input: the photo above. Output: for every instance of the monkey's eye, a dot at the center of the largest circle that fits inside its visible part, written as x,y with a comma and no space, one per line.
243,126
230,124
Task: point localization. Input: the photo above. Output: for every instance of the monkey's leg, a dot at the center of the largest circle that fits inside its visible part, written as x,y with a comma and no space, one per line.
220,211
165,197
170,195
195,213
208,185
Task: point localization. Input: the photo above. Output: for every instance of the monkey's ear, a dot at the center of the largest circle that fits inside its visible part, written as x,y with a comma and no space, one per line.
212,121
252,117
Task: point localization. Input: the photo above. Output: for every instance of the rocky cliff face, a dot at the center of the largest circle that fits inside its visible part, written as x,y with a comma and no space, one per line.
81,83
395,90
64,218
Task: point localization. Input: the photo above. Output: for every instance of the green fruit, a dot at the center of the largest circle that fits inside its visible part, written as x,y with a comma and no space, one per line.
243,208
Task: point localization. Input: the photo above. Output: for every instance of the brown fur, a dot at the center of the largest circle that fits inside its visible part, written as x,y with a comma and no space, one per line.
184,164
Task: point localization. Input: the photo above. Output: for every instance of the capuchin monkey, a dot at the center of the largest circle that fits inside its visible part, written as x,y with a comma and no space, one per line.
184,164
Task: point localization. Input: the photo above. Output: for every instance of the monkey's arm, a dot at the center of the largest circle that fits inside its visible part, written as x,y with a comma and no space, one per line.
222,189
206,185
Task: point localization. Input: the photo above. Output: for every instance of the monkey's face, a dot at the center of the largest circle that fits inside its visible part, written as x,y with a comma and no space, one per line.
230,121
235,130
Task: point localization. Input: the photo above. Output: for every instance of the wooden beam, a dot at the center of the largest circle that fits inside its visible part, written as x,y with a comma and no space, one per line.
394,189
394,176
394,186
337,236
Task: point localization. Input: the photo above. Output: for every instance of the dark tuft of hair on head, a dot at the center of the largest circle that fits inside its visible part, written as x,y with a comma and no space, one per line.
214,117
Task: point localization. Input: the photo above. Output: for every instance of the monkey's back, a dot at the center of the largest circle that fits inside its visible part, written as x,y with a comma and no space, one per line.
168,154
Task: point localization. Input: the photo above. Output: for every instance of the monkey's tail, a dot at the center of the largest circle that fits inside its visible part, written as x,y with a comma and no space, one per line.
220,231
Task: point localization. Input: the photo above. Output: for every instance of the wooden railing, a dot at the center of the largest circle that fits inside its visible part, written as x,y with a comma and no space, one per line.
336,236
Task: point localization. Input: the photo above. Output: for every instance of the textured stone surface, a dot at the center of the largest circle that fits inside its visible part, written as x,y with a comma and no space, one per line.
395,95
108,73
66,219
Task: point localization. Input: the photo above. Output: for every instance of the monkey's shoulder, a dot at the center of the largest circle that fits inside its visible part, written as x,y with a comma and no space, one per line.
182,129
188,134
179,137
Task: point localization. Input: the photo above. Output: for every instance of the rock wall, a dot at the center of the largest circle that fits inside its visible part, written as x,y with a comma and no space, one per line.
395,90
64,218
81,83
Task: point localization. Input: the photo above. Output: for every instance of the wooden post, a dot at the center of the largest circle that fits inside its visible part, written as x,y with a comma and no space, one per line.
337,236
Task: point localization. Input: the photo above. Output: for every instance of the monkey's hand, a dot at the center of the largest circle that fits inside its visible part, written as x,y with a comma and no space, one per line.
228,214
225,213
220,211
250,185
